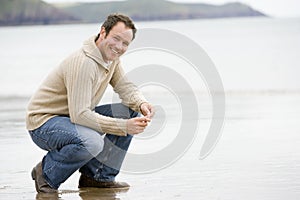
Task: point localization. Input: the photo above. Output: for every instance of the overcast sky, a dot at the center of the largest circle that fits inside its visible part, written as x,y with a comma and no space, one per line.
275,8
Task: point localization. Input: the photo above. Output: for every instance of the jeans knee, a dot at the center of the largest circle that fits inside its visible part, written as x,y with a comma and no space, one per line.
94,145
91,140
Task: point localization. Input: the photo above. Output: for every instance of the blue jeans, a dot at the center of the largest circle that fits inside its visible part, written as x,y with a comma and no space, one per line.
71,147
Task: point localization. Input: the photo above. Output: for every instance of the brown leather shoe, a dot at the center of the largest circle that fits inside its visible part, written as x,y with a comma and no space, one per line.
40,183
85,181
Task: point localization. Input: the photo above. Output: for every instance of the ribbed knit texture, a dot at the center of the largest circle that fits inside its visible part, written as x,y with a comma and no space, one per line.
76,87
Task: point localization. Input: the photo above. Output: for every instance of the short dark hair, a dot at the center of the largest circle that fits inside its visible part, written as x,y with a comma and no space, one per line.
113,19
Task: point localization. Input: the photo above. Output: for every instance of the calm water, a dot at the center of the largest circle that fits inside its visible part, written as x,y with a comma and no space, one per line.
258,156
250,54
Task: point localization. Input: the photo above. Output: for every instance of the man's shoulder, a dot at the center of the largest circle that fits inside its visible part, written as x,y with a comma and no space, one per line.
78,60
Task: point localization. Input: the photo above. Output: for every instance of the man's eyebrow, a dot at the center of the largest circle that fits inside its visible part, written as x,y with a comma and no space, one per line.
116,35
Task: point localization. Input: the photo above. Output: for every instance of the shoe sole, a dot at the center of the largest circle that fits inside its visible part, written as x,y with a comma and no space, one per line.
104,188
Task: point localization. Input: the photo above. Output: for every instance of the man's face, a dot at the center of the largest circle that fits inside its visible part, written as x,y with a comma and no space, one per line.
115,44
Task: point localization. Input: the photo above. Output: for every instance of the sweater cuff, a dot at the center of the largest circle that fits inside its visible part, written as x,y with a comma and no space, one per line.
122,125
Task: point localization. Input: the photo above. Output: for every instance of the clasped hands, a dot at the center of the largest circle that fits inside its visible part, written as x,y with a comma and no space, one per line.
138,124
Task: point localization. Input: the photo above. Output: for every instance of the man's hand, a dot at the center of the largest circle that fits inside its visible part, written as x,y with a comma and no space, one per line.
147,110
137,125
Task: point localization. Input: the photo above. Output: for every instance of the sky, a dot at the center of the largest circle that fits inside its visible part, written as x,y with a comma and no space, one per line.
274,8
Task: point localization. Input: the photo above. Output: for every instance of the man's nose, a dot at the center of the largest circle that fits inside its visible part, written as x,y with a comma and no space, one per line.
119,45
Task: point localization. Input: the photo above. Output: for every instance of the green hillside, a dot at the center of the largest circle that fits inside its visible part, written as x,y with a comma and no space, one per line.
24,12
157,10
20,12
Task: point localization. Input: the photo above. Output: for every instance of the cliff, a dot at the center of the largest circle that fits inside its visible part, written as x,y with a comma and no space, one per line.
27,12
144,10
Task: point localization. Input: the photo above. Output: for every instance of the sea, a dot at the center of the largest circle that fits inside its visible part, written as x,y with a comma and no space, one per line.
252,62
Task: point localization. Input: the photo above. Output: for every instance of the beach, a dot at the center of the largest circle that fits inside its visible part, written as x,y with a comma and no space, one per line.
257,155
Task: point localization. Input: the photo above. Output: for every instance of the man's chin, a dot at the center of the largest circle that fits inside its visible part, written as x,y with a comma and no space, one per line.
113,58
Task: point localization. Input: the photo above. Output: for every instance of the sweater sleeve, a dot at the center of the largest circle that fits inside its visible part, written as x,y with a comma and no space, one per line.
127,91
79,77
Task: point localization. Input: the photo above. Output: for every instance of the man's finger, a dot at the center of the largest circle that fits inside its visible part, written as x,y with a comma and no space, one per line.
141,119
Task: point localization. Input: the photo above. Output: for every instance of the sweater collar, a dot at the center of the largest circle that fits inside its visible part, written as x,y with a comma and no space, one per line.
92,51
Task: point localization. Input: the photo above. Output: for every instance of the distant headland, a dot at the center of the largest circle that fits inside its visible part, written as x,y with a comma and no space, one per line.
37,12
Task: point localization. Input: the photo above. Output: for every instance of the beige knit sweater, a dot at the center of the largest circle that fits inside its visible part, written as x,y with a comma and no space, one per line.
75,88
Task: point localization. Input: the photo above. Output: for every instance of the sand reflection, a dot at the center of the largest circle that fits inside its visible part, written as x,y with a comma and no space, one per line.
84,194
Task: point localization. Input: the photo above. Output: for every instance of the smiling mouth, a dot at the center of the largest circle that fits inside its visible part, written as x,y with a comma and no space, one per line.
114,51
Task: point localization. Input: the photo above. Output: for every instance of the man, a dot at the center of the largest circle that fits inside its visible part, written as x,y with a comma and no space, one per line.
64,119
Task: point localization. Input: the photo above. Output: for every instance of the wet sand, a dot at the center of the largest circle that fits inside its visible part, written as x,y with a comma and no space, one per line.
258,157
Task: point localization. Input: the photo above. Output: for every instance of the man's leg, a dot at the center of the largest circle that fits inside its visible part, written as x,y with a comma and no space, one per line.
69,147
106,166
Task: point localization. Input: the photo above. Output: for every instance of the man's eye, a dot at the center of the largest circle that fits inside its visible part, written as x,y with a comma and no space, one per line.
116,38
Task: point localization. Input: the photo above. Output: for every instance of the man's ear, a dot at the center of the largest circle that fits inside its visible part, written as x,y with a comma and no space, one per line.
102,33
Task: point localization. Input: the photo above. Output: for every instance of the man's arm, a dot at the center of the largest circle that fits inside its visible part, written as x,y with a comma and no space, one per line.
127,91
79,77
